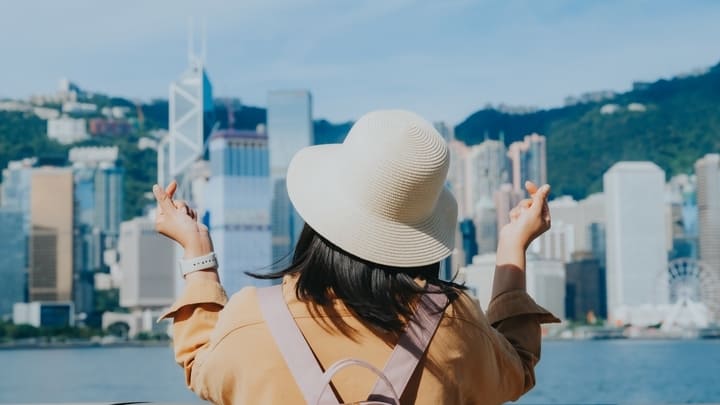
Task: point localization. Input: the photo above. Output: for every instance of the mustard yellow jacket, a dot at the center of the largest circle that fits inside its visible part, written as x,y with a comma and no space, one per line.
229,356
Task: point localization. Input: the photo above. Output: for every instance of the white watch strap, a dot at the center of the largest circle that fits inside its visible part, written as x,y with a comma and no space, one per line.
207,261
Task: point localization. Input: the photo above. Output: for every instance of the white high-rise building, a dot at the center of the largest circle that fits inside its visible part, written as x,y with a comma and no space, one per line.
238,205
529,161
637,275
558,243
478,277
458,177
707,170
488,169
190,122
708,199
571,230
506,198
147,265
289,128
545,280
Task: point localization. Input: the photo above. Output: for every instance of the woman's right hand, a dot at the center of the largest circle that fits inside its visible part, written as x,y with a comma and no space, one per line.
529,219
179,222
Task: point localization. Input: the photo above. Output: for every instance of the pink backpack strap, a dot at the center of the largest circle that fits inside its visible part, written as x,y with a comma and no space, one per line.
304,366
412,345
294,348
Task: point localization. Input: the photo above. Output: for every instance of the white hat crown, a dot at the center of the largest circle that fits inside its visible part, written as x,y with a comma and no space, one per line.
399,162
380,195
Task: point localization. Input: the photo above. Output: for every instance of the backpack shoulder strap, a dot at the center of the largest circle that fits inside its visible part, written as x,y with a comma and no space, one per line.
412,345
294,348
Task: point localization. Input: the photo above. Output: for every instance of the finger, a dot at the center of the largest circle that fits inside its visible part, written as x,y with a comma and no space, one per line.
182,207
164,202
539,200
531,187
526,203
171,189
193,214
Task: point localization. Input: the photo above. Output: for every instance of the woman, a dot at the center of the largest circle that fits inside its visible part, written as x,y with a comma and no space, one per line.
379,222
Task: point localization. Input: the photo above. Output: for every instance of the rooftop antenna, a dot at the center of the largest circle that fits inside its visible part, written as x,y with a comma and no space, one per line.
203,40
191,40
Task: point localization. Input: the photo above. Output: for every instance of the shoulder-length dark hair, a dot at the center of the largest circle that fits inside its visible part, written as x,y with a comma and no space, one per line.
382,296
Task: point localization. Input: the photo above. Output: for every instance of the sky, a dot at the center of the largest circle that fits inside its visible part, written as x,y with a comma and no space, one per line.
442,59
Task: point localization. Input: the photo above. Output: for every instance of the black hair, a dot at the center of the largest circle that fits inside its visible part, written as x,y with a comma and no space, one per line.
379,295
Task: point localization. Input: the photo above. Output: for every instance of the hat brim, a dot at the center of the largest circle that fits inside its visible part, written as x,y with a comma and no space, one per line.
315,184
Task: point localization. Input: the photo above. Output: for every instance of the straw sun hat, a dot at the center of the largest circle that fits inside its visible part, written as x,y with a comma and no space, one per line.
380,195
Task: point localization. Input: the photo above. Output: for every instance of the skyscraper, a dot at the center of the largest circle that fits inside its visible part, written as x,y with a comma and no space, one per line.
51,235
506,198
707,170
546,283
635,231
13,258
290,128
16,189
681,199
585,287
147,264
98,211
190,122
486,230
239,210
529,161
458,177
488,169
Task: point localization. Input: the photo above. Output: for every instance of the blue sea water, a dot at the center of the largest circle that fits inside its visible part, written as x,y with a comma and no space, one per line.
570,372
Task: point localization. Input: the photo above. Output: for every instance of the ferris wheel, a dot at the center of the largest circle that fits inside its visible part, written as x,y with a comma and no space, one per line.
691,281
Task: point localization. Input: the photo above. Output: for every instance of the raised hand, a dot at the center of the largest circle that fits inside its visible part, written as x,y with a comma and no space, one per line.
179,222
530,218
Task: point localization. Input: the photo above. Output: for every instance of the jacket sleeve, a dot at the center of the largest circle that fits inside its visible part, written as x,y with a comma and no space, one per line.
194,316
516,320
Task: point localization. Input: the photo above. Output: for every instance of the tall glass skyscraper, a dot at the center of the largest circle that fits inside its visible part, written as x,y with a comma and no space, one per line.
98,212
238,207
14,232
190,122
13,260
290,128
16,189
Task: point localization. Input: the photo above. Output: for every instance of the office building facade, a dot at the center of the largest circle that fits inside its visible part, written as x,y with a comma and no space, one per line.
637,273
13,260
148,266
528,160
239,210
290,128
51,235
585,295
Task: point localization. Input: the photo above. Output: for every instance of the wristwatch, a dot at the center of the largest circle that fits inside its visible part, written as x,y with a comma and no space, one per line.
204,262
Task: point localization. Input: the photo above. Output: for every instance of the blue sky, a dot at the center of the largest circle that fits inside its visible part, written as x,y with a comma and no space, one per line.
443,59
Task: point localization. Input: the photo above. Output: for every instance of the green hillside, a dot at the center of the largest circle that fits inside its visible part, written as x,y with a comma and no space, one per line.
681,124
24,135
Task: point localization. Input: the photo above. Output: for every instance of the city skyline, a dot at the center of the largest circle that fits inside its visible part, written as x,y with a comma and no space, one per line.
481,52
